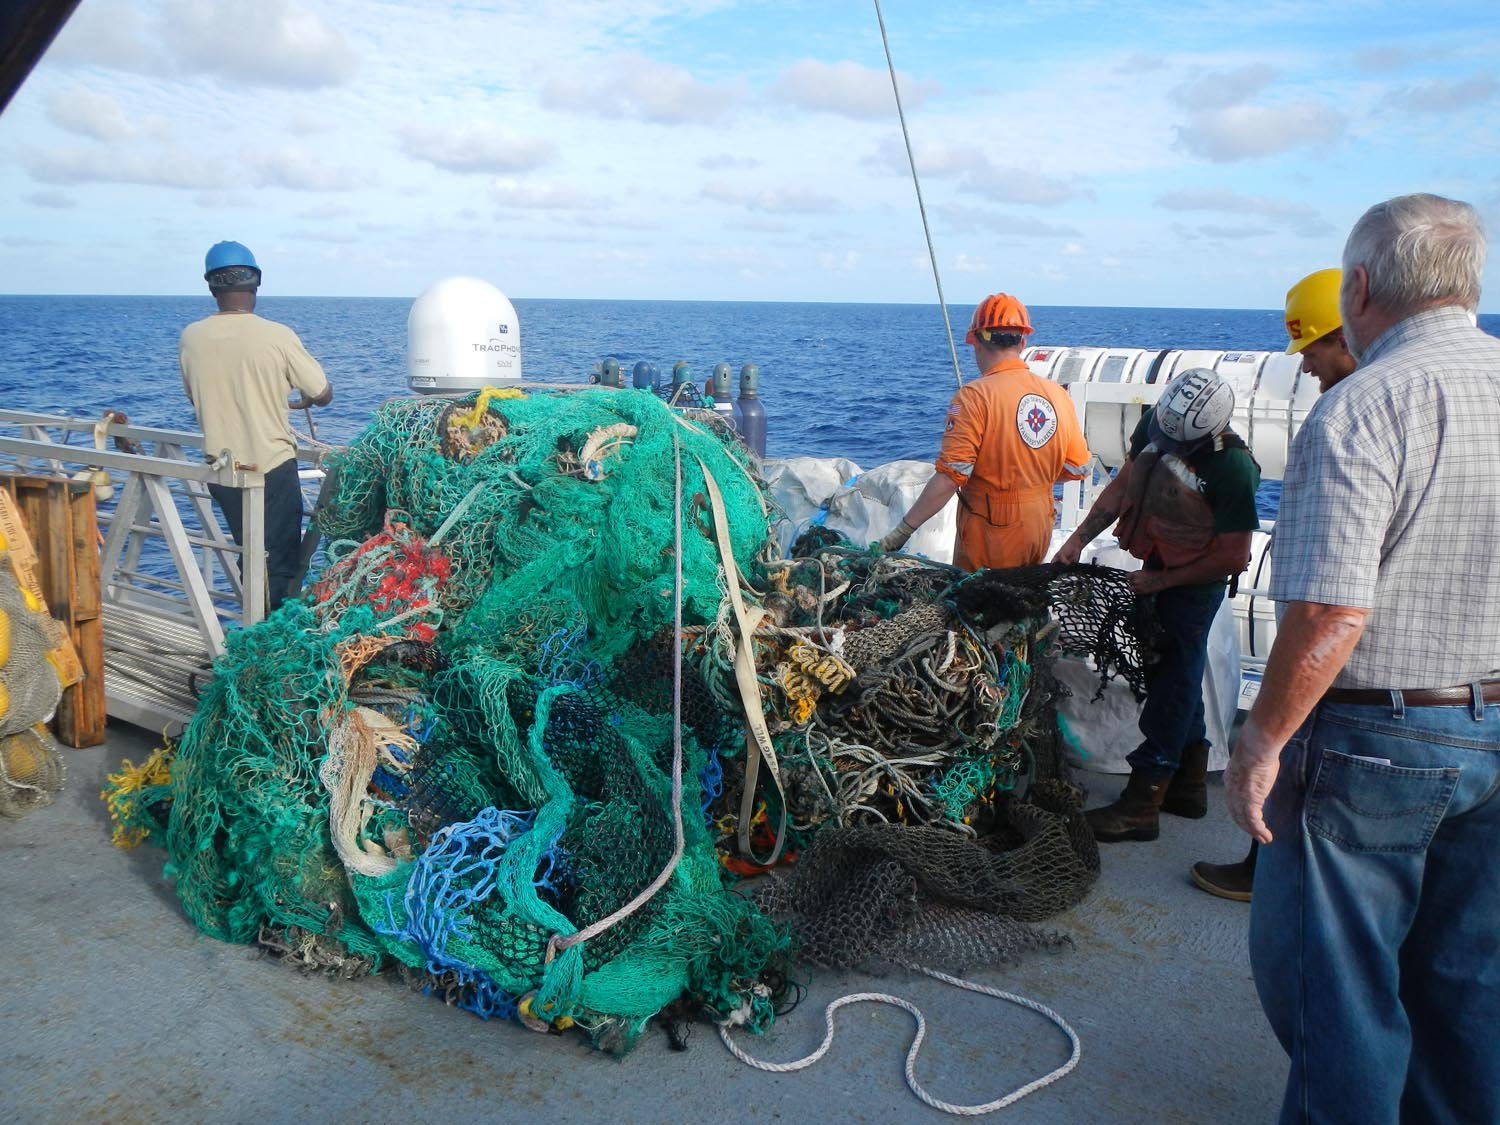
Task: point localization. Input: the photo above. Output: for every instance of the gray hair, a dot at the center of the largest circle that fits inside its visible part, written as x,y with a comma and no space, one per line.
1418,251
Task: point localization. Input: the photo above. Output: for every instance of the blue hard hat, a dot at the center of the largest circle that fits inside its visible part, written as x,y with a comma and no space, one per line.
222,254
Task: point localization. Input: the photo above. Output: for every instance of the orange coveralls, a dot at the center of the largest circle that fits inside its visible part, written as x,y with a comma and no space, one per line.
1010,437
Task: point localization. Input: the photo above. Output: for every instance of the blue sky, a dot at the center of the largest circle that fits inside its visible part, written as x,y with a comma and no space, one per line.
1112,153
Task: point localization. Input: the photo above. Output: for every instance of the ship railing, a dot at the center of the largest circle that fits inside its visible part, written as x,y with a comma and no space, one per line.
173,581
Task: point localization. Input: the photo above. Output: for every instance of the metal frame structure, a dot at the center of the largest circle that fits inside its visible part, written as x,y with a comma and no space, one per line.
171,577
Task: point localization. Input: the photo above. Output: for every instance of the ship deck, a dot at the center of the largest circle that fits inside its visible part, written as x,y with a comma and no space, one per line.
116,1009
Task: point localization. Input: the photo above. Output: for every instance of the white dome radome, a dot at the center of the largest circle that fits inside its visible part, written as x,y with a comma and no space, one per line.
462,334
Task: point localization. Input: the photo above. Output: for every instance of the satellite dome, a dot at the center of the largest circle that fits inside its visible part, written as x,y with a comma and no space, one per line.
462,334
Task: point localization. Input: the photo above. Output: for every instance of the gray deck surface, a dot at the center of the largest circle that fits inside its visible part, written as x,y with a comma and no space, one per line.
115,1008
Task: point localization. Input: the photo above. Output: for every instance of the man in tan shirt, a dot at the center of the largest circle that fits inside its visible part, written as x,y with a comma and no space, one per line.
238,369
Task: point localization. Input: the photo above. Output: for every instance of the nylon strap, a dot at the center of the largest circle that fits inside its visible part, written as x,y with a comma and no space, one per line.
757,738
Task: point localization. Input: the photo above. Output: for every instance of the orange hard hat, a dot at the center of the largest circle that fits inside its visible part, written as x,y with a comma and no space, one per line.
1001,312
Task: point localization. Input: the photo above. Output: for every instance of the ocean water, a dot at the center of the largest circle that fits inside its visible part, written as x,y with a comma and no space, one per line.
867,382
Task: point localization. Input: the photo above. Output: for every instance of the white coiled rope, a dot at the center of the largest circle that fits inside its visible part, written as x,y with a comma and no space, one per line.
916,1043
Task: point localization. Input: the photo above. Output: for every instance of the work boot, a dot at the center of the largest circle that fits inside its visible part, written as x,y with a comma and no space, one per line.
1187,793
1227,880
1135,816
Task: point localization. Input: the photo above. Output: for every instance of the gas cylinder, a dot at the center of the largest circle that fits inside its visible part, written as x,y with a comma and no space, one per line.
752,420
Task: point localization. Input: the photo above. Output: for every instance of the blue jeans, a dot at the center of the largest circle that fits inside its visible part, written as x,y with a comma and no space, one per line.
1172,716
1375,921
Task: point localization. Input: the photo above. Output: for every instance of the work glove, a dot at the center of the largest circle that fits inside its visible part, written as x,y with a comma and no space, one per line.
896,538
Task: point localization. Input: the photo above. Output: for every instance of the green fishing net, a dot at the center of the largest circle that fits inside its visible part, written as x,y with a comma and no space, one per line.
469,752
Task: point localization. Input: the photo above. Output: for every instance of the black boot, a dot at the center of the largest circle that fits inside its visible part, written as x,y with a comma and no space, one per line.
1135,816
1187,795
1228,880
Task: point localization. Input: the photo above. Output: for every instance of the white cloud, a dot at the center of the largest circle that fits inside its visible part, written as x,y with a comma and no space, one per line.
1224,127
267,43
300,170
56,200
611,222
1022,185
616,256
1072,250
760,226
530,196
1212,230
781,201
1395,57
848,89
324,211
1299,217
936,159
305,123
966,264
1445,97
172,168
633,86
1224,88
1140,63
845,263
933,158
222,200
728,161
332,237
475,148
1246,132
964,220
111,35
88,113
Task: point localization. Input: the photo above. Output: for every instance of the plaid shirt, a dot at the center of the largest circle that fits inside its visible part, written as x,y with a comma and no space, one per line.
1391,503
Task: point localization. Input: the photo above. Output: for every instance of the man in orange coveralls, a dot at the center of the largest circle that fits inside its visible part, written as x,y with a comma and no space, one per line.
1010,437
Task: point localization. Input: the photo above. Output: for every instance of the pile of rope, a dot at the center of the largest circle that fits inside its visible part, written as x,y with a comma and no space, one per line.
554,694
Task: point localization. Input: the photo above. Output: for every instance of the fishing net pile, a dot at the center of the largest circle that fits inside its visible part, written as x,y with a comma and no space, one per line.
553,698
31,677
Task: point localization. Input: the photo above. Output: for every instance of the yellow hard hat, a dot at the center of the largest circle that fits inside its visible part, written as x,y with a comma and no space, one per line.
1312,308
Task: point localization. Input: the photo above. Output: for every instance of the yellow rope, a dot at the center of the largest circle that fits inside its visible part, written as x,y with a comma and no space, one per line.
470,418
130,780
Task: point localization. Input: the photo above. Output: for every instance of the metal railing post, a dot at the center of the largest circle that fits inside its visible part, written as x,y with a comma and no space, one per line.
253,560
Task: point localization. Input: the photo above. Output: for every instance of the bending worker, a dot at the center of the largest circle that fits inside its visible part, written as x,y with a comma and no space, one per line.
1315,329
238,369
1010,436
1185,501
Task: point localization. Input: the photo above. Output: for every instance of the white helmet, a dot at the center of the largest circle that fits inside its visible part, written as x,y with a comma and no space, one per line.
1196,405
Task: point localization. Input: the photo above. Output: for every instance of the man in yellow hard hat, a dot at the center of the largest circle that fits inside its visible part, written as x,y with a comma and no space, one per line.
1315,327
1010,436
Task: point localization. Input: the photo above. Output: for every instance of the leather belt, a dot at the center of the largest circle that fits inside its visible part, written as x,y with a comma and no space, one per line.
1460,696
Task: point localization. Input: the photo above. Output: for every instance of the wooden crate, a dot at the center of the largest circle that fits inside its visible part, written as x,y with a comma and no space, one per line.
61,521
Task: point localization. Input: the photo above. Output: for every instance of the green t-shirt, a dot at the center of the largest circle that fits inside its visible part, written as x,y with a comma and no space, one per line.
1228,479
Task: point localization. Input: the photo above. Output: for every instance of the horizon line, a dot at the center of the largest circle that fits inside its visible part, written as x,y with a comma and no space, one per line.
650,301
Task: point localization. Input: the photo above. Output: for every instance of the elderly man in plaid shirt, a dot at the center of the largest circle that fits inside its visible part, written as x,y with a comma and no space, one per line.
1369,767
